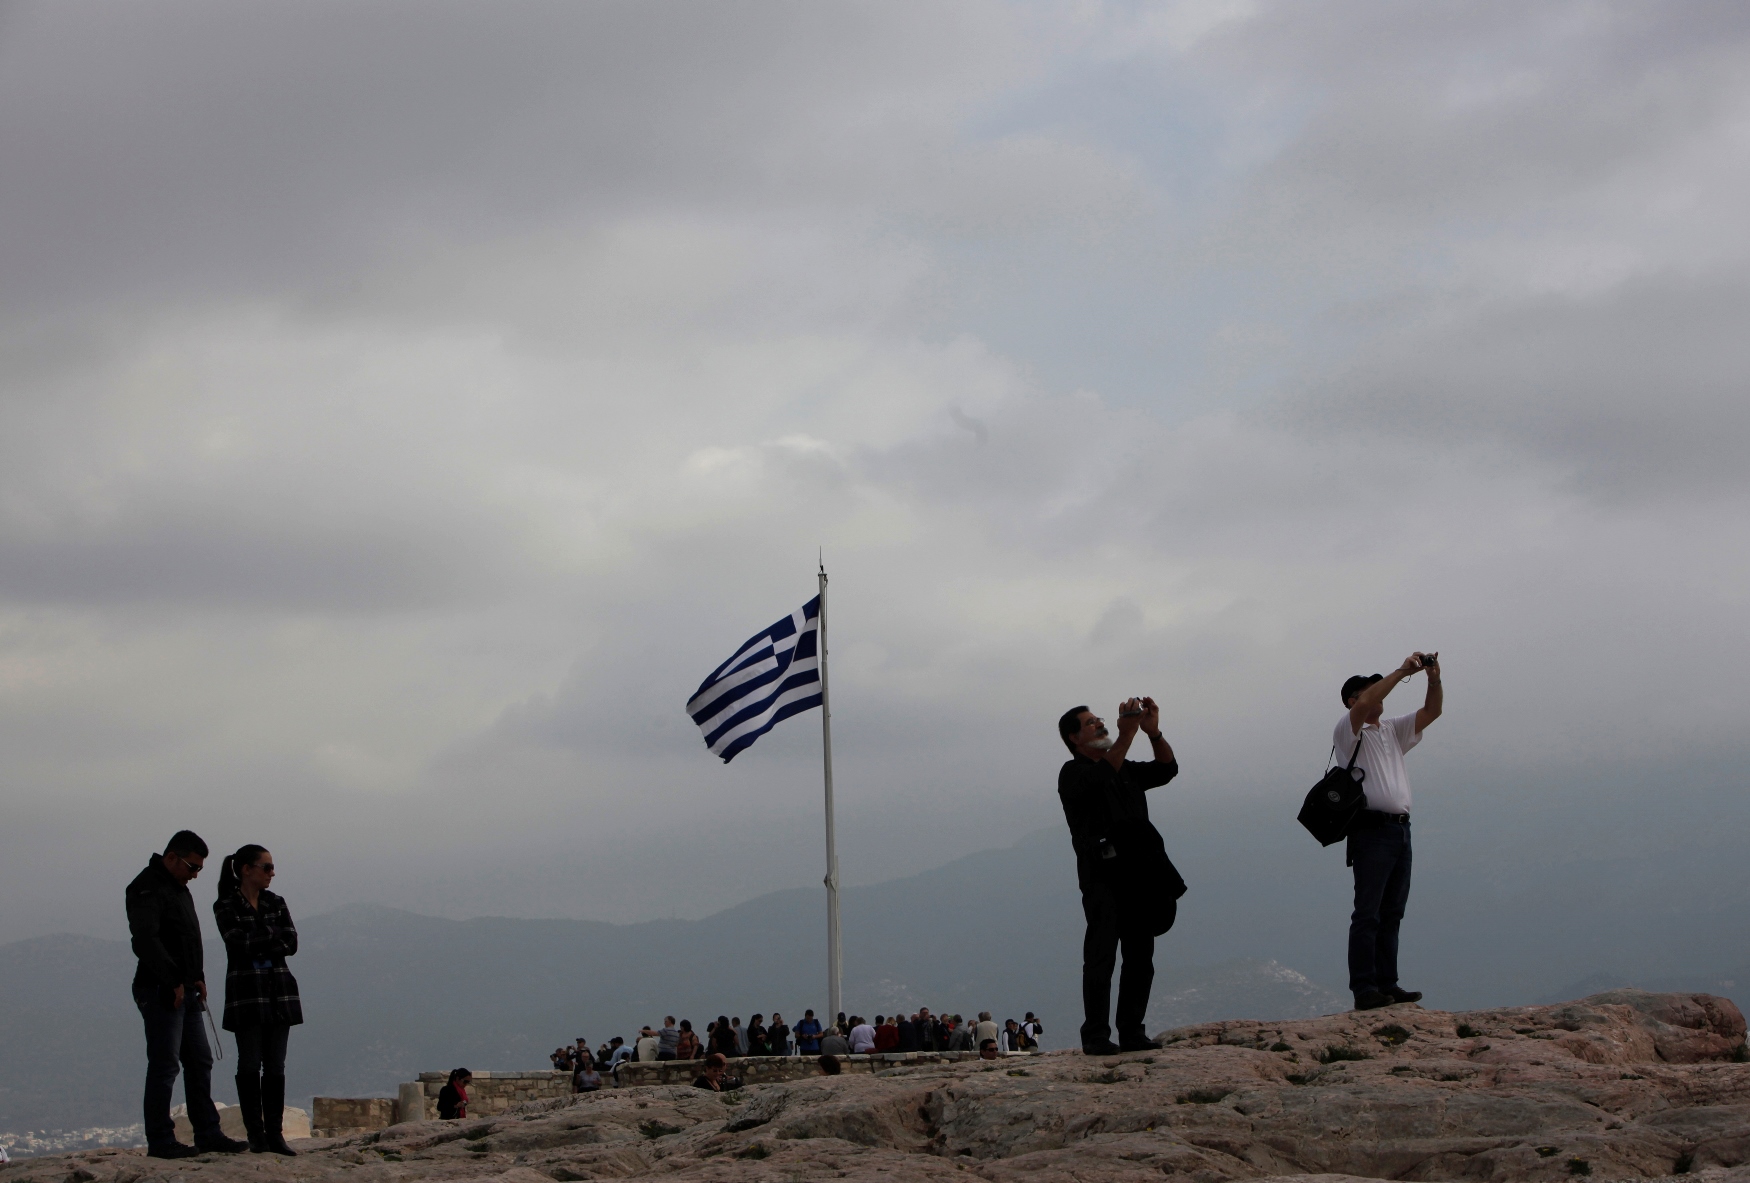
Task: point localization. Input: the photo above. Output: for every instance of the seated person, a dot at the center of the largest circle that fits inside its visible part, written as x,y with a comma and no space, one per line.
833,1043
587,1080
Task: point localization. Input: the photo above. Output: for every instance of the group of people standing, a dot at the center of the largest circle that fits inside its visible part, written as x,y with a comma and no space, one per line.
847,1035
170,990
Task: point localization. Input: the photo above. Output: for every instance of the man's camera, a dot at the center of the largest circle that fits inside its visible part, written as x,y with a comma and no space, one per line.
1430,660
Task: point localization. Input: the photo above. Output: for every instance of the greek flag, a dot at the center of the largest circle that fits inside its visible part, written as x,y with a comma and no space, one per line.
775,675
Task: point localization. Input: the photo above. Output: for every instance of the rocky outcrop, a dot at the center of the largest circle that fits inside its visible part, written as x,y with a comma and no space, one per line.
1623,1085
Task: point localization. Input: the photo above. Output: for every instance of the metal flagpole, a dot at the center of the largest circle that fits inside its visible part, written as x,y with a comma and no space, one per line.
833,967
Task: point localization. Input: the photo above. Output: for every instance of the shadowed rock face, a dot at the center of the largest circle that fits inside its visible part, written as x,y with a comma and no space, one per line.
1622,1085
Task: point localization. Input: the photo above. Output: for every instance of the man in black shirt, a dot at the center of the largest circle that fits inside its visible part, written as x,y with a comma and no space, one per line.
1129,887
170,990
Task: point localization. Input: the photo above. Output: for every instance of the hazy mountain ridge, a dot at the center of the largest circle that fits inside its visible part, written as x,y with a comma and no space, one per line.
1500,914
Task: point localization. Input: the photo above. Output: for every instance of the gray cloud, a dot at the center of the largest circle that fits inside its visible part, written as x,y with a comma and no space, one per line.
401,409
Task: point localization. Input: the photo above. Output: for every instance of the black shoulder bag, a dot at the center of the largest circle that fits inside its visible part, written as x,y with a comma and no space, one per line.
1331,805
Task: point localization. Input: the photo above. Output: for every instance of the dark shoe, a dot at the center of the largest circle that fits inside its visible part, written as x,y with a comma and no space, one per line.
1373,1000
220,1144
249,1100
171,1150
1104,1048
273,1114
1399,994
1139,1045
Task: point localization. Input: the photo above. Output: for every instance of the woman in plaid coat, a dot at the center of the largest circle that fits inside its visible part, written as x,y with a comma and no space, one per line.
261,996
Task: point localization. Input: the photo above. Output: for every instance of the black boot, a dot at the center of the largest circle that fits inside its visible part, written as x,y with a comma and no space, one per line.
249,1100
273,1114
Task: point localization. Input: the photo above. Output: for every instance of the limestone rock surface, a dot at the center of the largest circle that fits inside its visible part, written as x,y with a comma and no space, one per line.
1623,1085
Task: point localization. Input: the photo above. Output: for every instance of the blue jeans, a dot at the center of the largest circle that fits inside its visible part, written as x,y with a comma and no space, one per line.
1381,857
176,1041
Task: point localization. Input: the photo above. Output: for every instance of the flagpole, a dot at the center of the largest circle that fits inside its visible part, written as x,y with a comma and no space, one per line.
833,952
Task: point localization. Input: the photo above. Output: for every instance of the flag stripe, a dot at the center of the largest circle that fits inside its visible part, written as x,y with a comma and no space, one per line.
774,675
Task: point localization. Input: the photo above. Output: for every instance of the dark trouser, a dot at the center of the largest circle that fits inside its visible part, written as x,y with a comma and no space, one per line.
262,1050
1099,956
261,1081
176,1041
1380,855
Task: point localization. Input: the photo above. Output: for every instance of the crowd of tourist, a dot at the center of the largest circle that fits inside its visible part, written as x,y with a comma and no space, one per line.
848,1035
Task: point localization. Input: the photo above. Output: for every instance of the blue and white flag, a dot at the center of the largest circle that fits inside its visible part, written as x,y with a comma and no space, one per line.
775,675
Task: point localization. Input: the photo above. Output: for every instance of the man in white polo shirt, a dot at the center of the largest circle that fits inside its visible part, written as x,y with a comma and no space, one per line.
1379,840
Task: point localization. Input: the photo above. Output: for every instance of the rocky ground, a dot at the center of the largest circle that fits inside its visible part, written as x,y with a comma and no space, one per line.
1621,1085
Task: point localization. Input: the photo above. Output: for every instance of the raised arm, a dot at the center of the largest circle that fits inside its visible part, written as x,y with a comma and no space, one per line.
1436,697
1151,727
1368,703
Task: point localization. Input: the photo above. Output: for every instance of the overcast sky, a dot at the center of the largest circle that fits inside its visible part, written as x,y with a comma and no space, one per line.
404,406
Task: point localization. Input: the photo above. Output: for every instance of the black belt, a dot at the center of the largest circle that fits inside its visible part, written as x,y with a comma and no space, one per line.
1373,817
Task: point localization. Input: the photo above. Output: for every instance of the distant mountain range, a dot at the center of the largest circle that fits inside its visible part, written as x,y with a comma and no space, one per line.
1496,918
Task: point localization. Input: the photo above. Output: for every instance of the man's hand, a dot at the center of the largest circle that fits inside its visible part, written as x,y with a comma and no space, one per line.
176,996
1130,713
1151,718
202,987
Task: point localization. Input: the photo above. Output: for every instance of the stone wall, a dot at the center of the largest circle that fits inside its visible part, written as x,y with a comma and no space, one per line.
339,1117
492,1093
767,1069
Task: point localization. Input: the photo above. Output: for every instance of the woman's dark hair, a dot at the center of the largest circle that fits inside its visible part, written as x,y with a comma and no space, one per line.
829,1065
245,856
716,1060
1070,723
686,1024
459,1074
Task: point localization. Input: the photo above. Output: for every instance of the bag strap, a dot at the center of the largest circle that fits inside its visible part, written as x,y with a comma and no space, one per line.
1353,756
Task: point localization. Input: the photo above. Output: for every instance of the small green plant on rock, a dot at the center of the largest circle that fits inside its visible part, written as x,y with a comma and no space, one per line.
1684,1162
1392,1034
1579,1166
1466,1031
1741,1054
658,1129
757,1150
478,1147
1279,1046
1333,1054
1547,1151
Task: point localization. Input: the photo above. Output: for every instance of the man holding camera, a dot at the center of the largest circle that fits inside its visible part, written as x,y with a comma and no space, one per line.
1130,889
1379,838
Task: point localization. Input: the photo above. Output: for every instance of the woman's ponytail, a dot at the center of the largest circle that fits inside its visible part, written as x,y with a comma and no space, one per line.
245,855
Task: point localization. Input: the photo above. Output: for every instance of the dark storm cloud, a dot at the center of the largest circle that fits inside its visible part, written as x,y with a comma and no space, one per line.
1642,390
185,150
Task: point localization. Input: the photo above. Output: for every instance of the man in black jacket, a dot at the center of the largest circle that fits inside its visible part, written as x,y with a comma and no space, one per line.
170,988
1129,887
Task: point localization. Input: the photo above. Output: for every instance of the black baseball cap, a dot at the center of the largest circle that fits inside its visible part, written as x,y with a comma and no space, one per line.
1359,683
